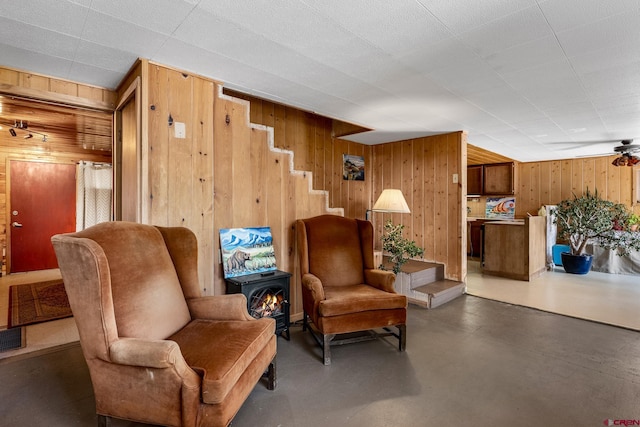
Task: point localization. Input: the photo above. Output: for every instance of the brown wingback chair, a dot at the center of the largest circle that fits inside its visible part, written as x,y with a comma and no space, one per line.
158,352
342,290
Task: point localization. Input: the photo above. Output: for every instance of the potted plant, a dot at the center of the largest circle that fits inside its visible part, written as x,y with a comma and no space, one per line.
590,219
400,249
633,221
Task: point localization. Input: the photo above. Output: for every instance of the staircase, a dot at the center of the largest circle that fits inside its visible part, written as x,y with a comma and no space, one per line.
424,284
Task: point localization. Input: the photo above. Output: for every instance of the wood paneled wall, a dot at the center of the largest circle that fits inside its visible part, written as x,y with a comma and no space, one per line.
15,82
424,170
43,87
180,170
549,182
257,184
310,137
226,173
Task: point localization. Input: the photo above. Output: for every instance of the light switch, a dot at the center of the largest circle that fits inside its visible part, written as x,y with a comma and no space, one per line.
455,178
180,131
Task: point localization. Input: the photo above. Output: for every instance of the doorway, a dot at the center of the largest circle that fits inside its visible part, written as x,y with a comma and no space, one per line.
42,202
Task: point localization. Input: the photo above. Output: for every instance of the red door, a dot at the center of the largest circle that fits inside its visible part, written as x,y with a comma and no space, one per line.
43,203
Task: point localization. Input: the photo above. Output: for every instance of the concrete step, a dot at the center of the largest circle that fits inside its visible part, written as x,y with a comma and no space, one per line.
423,284
418,273
437,293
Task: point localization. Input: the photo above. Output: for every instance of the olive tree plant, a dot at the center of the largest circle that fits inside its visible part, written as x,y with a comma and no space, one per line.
591,219
399,248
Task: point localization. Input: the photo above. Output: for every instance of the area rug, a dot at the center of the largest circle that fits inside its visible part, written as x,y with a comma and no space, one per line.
37,302
12,339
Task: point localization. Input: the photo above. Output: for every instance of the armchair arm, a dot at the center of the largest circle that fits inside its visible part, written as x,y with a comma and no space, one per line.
158,354
313,287
380,279
145,353
219,307
312,294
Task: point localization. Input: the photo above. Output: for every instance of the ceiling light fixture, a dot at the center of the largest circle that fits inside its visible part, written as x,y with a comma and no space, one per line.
625,160
22,125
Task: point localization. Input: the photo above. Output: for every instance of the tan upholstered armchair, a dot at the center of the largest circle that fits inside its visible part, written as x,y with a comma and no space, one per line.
342,291
158,352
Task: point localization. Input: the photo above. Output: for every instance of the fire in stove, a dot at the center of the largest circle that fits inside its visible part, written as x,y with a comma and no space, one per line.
267,304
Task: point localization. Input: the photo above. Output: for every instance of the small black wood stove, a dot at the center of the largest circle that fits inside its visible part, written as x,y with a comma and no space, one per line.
267,296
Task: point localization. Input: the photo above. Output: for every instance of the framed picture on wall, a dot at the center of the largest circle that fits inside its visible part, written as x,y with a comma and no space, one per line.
352,167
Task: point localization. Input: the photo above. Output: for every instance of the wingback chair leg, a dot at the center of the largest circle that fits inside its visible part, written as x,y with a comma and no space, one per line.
326,348
305,321
104,421
402,337
271,376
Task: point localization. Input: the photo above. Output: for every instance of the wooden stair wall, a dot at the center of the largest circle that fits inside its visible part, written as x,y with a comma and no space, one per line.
256,184
226,172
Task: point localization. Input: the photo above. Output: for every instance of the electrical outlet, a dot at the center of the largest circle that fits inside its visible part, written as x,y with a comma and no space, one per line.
180,130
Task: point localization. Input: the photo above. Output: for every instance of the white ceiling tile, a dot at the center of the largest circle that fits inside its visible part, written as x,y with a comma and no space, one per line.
567,14
448,53
99,76
395,27
85,3
611,57
548,85
117,34
59,16
506,103
522,27
161,16
37,39
99,56
604,34
627,104
476,77
613,82
36,62
408,84
462,15
527,55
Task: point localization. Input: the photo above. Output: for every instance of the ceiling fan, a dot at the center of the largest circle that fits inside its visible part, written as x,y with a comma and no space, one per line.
626,150
627,147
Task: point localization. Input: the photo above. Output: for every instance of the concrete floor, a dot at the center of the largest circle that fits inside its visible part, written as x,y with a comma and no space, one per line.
470,362
613,299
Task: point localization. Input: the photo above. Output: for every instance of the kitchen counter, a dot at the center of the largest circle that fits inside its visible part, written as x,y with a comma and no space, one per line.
515,248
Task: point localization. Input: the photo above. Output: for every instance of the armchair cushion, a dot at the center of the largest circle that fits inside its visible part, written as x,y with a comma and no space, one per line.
358,298
221,351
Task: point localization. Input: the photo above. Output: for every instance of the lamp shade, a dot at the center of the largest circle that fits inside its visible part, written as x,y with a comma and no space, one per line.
391,200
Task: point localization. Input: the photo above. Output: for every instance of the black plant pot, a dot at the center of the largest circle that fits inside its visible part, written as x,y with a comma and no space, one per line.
576,264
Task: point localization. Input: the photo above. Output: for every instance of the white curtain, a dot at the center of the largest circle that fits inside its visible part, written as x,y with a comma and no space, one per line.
94,184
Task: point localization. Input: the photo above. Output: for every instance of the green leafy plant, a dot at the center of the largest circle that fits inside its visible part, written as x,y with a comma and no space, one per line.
633,221
400,249
590,219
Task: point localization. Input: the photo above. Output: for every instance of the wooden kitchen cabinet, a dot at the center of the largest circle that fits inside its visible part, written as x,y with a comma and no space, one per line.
474,180
498,179
515,249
